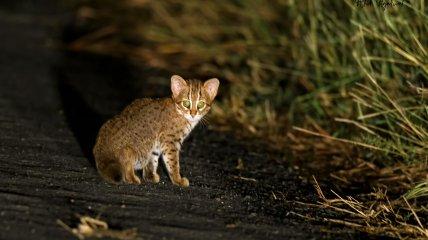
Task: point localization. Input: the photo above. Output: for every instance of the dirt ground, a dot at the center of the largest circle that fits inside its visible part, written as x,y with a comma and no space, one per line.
51,105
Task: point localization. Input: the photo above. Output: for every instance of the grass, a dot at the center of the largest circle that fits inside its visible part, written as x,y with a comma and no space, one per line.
420,190
378,215
287,62
342,71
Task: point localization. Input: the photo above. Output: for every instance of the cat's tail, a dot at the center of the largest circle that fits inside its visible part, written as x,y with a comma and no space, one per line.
110,170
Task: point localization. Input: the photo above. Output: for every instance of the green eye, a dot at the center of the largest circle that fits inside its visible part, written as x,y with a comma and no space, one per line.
186,103
201,105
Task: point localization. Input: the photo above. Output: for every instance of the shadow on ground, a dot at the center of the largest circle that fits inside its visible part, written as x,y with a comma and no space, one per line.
92,89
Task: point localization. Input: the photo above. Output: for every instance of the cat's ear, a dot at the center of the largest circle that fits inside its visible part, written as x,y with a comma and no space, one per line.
211,87
178,84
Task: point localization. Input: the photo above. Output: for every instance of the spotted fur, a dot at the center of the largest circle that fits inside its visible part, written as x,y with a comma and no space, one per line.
148,129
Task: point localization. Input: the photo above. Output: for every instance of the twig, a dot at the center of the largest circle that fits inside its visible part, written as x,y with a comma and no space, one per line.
340,139
245,178
421,227
318,189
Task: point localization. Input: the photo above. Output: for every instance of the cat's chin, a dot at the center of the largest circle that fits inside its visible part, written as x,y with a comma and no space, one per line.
192,119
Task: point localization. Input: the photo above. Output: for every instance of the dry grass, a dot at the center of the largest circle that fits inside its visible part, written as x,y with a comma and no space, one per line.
378,204
348,167
89,227
376,214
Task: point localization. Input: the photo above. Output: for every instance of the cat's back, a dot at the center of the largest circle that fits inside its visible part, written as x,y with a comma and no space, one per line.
130,114
138,119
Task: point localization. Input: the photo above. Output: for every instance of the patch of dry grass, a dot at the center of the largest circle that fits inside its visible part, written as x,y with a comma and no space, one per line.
89,227
378,203
374,214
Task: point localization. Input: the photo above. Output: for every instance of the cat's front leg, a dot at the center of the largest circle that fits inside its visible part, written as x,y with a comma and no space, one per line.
170,153
149,171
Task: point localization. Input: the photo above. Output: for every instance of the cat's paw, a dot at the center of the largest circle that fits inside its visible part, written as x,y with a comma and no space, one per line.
184,182
180,181
132,179
154,178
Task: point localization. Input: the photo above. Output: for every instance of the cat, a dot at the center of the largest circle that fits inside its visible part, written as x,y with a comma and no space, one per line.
148,128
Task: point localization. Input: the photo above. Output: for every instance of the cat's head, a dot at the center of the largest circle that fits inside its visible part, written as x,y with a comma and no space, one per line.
193,98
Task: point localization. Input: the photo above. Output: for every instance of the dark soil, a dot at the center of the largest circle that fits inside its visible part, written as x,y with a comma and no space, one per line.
51,105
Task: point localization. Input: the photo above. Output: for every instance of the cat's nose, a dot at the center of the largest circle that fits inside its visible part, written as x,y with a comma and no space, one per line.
193,113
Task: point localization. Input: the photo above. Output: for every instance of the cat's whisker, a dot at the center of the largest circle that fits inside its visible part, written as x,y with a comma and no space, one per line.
204,121
207,120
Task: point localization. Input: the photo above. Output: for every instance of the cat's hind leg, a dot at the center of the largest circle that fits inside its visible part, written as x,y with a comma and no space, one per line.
128,159
110,169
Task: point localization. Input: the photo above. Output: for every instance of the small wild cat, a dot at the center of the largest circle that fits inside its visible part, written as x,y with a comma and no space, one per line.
148,128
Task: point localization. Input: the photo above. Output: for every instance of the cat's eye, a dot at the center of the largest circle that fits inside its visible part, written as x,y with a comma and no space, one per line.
201,105
186,103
